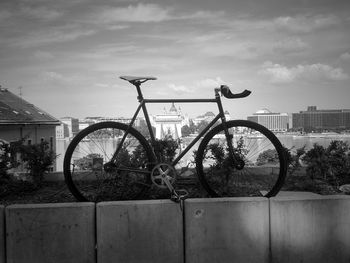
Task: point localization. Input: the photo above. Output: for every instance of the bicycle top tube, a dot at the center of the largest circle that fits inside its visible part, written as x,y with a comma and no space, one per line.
224,90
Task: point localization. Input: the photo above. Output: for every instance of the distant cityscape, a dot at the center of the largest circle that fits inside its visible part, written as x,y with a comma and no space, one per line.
172,121
21,120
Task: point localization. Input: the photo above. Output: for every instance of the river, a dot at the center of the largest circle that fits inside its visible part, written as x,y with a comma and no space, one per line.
289,141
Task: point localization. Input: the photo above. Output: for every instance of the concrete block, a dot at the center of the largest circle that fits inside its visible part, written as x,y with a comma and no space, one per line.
227,230
139,231
50,233
313,229
2,234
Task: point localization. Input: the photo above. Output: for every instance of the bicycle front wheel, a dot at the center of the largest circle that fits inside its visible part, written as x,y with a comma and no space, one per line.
94,172
257,168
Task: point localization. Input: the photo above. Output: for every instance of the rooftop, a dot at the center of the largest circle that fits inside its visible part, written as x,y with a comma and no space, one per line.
15,110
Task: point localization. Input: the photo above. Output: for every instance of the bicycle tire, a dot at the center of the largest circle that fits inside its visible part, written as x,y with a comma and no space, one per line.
262,173
90,151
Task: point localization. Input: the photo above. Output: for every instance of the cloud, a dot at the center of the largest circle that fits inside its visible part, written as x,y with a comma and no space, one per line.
277,73
281,74
230,48
345,56
210,83
305,23
53,35
180,88
198,85
4,15
133,13
290,45
53,76
40,12
148,13
295,24
43,55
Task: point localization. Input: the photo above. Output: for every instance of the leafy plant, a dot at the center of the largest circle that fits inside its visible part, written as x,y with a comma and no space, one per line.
38,159
86,162
5,160
331,164
165,149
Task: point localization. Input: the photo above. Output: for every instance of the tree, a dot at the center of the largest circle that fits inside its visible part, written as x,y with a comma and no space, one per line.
269,156
201,126
5,160
331,164
186,130
38,159
86,162
143,128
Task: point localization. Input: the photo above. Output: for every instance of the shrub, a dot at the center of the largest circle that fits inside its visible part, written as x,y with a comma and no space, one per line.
38,159
165,149
86,162
331,164
5,160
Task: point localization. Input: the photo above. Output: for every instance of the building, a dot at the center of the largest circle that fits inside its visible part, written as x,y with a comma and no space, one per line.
70,127
208,117
277,122
321,120
62,131
21,120
169,123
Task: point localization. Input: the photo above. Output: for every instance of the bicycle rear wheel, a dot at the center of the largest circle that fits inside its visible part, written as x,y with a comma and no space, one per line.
258,168
93,173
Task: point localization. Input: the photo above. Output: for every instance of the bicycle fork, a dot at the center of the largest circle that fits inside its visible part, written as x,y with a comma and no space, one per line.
236,160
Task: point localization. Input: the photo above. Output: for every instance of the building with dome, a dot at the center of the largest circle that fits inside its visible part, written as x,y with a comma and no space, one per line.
169,123
208,117
277,122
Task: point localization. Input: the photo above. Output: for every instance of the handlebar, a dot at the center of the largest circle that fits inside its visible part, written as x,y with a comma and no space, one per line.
225,90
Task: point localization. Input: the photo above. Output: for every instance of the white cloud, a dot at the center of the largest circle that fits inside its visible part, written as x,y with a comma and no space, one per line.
52,79
132,13
305,24
345,56
4,15
40,12
148,13
243,50
295,24
282,74
290,45
210,83
43,55
53,36
198,85
180,88
277,73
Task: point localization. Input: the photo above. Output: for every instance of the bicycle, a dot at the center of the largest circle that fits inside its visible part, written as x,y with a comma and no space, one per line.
113,161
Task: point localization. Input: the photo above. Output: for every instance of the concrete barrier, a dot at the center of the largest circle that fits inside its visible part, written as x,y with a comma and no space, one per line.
313,229
227,230
51,233
139,231
2,234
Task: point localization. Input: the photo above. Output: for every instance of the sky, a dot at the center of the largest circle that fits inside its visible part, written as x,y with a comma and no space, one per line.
66,56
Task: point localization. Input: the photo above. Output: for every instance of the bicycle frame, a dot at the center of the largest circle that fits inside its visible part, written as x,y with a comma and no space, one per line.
142,106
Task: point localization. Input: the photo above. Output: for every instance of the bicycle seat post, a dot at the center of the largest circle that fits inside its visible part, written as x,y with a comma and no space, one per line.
137,81
137,84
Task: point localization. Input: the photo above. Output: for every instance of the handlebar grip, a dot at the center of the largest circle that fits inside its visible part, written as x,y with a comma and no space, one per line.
225,90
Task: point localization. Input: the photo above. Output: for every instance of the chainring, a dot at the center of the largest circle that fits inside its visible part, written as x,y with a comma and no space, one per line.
164,175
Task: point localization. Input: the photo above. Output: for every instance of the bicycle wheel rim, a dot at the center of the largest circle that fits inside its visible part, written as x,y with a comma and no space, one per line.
88,170
262,155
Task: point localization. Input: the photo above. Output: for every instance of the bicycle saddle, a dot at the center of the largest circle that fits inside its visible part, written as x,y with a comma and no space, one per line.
133,79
